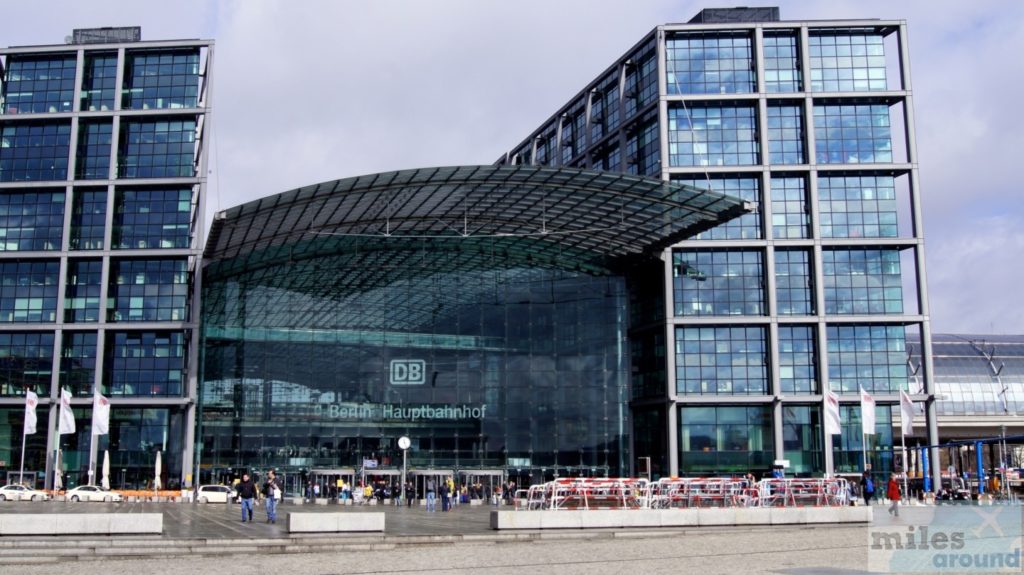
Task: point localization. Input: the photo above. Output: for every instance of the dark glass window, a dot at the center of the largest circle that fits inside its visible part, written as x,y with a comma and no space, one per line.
790,217
148,290
725,440
31,220
161,80
78,362
154,218
88,219
797,360
144,364
28,291
34,151
99,84
847,62
94,141
713,136
870,356
745,227
709,63
786,134
574,135
135,436
39,84
852,134
643,150
801,439
728,360
157,149
641,81
862,281
793,282
858,207
26,362
781,63
718,282
607,159
83,290
848,449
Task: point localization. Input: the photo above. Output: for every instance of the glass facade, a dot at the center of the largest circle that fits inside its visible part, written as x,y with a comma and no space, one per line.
28,291
794,282
34,151
798,360
746,227
847,62
852,447
860,282
99,83
852,134
39,84
498,363
791,218
711,63
727,360
801,439
144,364
94,140
88,219
157,149
858,207
31,220
161,80
713,136
26,363
152,218
63,205
872,357
718,282
723,440
781,63
785,134
148,290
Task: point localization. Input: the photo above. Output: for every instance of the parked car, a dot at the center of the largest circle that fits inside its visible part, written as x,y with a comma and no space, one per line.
214,494
16,492
92,493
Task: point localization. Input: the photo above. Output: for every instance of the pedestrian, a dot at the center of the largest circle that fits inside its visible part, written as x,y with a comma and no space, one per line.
272,493
892,491
247,493
867,487
410,493
431,496
446,500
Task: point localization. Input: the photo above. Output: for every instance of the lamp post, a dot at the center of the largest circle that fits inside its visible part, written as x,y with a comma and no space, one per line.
403,444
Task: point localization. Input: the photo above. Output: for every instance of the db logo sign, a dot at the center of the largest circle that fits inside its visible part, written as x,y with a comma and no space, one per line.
408,371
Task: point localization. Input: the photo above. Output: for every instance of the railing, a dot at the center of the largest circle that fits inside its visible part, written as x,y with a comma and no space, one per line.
681,493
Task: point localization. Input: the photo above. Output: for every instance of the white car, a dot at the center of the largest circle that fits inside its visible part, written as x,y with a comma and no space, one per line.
21,493
215,494
92,493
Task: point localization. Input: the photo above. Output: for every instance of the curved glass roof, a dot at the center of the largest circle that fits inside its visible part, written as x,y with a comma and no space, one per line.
977,374
540,214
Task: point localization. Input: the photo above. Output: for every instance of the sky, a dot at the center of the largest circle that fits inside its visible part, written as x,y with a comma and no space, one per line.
306,91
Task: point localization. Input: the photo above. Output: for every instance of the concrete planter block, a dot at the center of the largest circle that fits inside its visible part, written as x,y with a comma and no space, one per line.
677,517
335,522
787,515
561,519
712,516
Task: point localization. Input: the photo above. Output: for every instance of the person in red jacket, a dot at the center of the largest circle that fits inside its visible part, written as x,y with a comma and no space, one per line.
892,491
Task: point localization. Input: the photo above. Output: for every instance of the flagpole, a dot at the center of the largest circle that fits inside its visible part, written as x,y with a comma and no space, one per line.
21,473
903,444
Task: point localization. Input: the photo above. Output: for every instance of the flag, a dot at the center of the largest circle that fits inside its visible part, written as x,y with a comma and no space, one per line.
31,401
833,426
867,412
906,413
67,417
100,414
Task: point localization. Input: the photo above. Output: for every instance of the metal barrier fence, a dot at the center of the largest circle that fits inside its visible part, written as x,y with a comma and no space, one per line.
682,493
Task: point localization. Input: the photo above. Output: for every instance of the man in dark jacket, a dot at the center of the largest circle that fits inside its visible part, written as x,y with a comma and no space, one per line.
247,493
272,492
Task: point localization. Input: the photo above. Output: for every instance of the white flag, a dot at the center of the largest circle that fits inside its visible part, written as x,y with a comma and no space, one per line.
833,425
100,414
867,412
31,401
67,417
906,413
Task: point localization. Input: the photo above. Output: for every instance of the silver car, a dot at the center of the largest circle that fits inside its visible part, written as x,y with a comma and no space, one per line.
92,493
214,494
